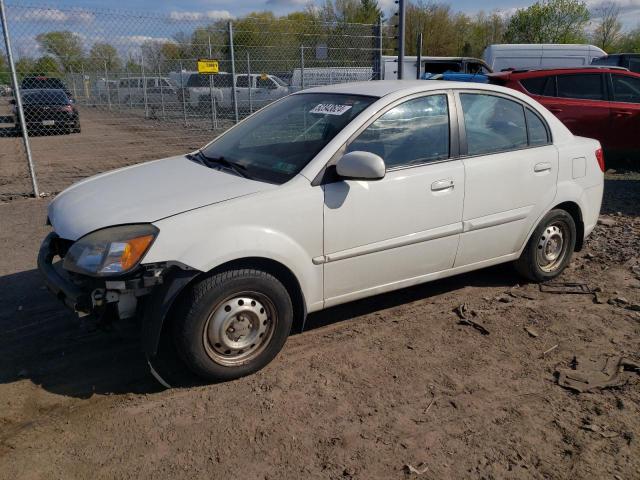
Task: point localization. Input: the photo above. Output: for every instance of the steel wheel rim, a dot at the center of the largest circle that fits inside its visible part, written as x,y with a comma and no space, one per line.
239,328
552,246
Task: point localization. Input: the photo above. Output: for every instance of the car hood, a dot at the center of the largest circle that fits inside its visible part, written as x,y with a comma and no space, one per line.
144,193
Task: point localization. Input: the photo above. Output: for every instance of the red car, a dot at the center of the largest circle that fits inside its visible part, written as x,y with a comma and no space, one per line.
600,103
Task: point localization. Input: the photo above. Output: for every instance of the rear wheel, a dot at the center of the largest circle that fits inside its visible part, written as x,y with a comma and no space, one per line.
233,323
550,247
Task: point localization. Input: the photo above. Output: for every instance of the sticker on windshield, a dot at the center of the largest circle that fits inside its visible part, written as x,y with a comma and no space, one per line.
330,109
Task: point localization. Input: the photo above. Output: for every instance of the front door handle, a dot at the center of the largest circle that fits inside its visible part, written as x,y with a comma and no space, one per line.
555,110
542,167
623,113
443,184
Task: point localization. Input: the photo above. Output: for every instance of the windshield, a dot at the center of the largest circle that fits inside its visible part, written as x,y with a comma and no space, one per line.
278,141
42,83
279,81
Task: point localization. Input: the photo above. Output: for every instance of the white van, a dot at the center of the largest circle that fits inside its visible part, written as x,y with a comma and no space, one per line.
136,91
533,56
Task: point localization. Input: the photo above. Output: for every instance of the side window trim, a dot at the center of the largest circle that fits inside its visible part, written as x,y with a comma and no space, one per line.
324,176
462,134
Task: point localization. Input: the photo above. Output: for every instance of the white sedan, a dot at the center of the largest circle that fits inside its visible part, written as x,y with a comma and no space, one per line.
326,196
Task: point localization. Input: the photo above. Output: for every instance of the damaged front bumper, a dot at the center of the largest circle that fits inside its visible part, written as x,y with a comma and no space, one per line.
87,295
157,284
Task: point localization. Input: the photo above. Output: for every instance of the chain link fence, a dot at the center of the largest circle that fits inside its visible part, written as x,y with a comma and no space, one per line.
105,89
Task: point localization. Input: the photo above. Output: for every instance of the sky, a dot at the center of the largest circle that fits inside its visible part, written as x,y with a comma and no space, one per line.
630,9
88,18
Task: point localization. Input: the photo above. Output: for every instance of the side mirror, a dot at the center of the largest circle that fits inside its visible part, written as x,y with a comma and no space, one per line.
361,165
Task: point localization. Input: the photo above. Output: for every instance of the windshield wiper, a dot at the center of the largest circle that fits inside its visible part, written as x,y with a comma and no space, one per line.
238,169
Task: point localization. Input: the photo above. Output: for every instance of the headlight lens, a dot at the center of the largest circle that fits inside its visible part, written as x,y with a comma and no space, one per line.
111,251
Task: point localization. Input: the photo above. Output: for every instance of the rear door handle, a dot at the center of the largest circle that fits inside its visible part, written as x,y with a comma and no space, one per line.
542,167
623,113
443,184
555,110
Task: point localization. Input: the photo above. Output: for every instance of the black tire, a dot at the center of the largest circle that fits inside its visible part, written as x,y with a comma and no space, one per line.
207,307
544,243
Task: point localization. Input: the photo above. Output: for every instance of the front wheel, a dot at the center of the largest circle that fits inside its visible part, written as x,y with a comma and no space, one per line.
550,247
232,324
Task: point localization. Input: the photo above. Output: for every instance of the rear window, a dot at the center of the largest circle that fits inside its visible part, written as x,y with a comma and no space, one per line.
582,86
52,97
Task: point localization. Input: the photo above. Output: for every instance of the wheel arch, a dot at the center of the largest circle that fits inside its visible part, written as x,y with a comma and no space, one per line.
281,272
573,209
163,302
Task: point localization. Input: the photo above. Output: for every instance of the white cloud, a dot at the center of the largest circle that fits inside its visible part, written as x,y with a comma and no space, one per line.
54,15
178,16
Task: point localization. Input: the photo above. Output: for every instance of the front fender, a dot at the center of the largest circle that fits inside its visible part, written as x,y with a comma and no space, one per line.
283,225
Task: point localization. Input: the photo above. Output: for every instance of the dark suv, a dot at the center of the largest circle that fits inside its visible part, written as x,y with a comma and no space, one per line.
44,83
630,61
600,103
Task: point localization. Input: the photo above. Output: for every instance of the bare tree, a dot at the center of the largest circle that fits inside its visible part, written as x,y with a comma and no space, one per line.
607,33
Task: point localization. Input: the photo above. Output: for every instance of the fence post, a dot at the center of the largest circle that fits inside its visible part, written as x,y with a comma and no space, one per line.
129,87
144,86
301,67
73,84
212,98
164,115
18,98
233,72
380,60
249,83
106,84
183,92
401,25
419,57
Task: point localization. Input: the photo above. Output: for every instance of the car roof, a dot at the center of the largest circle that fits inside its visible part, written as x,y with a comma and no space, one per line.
551,71
382,88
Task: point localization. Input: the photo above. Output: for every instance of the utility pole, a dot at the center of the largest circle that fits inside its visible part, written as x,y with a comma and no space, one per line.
401,28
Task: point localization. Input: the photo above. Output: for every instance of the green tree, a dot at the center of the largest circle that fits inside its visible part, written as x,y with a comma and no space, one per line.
608,32
47,66
630,42
549,21
65,46
104,56
25,66
5,77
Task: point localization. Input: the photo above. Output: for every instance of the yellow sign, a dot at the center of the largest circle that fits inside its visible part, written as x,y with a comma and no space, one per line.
263,76
207,65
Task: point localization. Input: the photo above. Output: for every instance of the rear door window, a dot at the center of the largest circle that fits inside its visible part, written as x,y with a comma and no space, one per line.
537,129
584,86
626,88
492,124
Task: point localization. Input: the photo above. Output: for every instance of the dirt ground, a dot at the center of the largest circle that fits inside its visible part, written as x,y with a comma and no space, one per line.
368,388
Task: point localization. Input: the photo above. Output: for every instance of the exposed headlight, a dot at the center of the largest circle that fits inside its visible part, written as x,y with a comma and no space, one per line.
111,251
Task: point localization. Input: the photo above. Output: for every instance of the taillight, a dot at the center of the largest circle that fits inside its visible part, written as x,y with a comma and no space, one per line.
600,158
